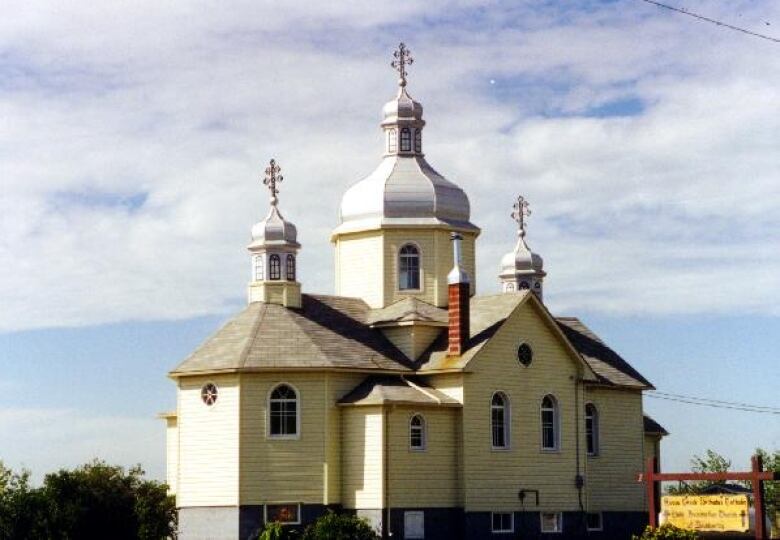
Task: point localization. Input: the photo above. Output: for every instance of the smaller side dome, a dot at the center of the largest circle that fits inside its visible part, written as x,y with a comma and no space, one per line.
521,268
401,108
274,230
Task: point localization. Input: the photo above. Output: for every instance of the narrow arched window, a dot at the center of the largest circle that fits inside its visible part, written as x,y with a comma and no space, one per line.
409,268
417,433
290,267
550,435
418,141
592,429
283,412
392,141
499,420
259,268
406,140
510,287
274,267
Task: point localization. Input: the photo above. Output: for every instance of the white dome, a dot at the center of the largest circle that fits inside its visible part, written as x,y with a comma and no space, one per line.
521,261
405,190
274,231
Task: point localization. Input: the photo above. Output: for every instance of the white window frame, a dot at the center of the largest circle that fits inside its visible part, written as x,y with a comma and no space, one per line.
402,139
507,421
511,528
298,401
556,410
594,430
285,523
414,535
392,141
287,267
420,273
558,522
423,435
417,139
601,521
258,262
271,258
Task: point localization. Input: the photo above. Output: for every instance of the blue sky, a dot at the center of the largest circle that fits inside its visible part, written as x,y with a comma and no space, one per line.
133,139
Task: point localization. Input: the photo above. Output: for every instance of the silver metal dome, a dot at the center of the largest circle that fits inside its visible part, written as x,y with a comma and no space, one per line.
521,261
274,230
404,189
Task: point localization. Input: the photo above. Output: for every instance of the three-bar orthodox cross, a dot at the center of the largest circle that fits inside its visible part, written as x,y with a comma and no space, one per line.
272,177
521,212
403,58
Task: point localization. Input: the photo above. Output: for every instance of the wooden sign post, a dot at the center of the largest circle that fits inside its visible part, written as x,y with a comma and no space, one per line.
757,476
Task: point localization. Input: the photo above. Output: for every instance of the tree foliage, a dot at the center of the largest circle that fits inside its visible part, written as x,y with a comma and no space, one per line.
330,526
93,501
711,462
666,532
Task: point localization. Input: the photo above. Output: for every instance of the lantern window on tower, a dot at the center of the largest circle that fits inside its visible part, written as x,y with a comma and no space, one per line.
418,141
409,268
274,267
290,267
392,141
406,140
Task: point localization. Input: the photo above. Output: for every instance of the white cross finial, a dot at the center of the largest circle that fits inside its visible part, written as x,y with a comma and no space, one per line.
521,211
403,58
272,177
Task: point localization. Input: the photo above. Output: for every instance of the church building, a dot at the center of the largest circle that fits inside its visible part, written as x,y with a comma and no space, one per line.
406,398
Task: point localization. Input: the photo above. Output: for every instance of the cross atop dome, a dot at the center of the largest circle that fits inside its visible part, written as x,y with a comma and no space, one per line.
403,58
272,177
521,211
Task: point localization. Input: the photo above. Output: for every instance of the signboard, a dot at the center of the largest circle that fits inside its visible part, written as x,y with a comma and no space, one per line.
706,512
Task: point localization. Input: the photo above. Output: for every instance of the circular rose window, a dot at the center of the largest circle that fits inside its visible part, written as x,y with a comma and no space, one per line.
525,354
208,394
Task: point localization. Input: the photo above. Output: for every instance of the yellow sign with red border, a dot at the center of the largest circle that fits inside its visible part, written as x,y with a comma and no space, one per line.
706,512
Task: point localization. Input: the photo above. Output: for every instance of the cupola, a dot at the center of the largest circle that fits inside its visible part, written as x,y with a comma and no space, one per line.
521,268
392,240
273,250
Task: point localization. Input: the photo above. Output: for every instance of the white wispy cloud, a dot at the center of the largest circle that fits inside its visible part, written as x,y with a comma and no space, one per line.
133,136
55,438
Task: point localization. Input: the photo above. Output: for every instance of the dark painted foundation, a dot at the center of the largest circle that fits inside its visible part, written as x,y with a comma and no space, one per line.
440,523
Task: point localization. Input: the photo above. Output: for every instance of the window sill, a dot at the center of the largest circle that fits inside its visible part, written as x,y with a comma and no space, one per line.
283,437
500,448
550,450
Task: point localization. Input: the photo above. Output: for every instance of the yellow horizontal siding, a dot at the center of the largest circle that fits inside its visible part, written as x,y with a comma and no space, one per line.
427,478
172,454
412,340
208,438
362,466
493,477
302,469
359,271
611,477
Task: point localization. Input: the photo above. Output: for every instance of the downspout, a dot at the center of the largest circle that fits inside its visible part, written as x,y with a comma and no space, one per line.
386,480
579,480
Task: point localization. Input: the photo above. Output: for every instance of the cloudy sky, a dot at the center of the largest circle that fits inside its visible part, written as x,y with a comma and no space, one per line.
133,137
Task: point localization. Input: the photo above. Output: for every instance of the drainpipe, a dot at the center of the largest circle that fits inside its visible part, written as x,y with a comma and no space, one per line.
386,480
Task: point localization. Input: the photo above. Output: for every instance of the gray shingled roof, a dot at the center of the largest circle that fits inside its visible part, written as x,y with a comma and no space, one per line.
377,390
610,367
327,332
651,426
407,310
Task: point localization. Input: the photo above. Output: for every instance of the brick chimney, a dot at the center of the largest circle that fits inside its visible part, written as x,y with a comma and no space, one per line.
458,292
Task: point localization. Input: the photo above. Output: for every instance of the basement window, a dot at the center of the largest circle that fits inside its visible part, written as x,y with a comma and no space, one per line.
414,524
286,514
552,522
502,522
594,521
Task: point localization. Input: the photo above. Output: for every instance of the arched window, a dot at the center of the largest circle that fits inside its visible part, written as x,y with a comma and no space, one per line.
392,141
406,140
550,436
259,268
510,287
283,412
499,420
274,267
524,285
417,141
592,429
417,433
290,267
409,268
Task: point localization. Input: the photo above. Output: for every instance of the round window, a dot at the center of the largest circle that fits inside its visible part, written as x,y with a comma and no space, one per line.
525,354
208,394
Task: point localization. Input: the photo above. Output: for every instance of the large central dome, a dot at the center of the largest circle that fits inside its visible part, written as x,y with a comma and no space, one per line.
404,189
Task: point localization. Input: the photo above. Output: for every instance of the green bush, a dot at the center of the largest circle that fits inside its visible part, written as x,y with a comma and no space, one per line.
339,527
666,532
275,531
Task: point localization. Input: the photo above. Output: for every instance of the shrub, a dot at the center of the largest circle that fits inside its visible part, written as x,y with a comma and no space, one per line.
275,531
339,527
666,532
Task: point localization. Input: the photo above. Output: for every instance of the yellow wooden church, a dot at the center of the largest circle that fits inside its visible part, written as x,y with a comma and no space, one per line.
406,398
